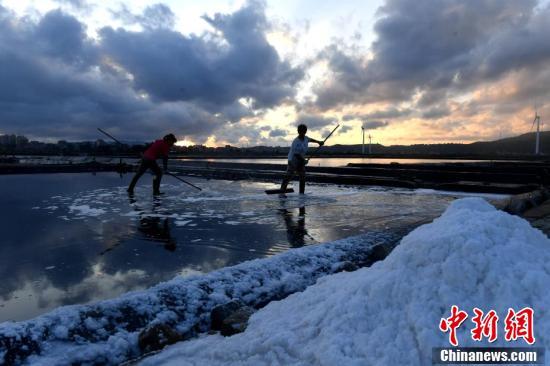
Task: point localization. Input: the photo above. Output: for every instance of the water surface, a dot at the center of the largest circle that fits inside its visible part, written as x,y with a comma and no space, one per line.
77,238
342,162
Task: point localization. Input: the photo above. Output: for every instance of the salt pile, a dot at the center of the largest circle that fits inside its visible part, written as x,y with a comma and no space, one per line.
388,314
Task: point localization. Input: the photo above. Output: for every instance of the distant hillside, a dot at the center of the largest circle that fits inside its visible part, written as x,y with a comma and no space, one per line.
522,144
518,145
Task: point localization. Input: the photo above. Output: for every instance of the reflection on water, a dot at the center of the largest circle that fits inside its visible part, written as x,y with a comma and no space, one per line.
157,229
325,161
77,238
296,232
152,227
340,162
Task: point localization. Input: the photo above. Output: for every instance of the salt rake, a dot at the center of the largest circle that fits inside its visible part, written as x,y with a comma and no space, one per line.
183,180
325,140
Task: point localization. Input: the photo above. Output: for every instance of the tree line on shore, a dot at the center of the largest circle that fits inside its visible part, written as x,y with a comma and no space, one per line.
522,145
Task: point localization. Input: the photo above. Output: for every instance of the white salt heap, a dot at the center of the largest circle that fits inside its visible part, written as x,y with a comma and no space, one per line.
388,314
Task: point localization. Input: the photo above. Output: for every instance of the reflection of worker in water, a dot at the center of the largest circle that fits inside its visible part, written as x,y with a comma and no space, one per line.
296,229
151,226
157,229
159,149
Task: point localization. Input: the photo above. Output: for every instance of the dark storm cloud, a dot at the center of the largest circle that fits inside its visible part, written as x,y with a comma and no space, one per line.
240,133
209,70
56,82
313,121
384,113
49,91
62,36
431,97
437,41
436,112
342,130
432,46
374,125
235,112
56,37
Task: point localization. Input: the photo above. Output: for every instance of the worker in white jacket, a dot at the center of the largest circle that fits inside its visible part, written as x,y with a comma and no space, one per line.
297,158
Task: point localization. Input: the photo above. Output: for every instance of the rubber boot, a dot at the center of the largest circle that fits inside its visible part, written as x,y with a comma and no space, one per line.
302,186
132,185
156,186
284,184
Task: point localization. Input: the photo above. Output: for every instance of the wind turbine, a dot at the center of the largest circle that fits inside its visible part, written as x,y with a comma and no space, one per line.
537,141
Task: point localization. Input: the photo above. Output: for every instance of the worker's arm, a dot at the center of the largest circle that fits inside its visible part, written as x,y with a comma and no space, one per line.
321,143
165,152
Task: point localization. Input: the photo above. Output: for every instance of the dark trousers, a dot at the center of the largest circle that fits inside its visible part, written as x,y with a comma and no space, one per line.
143,167
295,166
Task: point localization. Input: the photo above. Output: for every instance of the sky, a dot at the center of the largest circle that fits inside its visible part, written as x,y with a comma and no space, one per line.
246,73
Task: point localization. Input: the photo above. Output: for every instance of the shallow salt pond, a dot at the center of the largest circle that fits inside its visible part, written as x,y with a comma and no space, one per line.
78,238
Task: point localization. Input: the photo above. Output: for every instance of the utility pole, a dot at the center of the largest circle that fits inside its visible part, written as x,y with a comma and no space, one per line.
537,144
363,146
370,143
537,141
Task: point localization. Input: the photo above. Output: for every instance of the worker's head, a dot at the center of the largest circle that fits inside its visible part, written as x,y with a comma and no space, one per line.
170,139
302,129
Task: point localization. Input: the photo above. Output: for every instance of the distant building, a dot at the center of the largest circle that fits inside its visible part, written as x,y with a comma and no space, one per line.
8,140
21,140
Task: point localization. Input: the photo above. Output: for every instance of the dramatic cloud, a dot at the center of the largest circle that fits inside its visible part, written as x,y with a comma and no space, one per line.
57,82
213,71
53,96
438,50
63,37
428,63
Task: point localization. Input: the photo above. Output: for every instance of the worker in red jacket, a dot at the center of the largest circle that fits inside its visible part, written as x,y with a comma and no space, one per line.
159,149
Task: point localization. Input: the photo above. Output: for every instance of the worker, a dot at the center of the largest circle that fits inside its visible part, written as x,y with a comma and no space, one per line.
297,158
159,149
